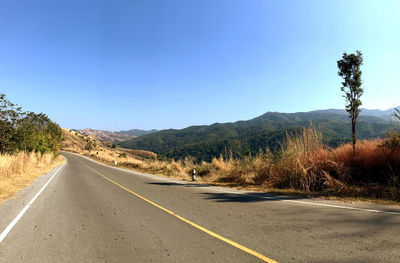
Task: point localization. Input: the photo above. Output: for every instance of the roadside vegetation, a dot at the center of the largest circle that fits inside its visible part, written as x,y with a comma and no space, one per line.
266,131
29,144
19,170
303,164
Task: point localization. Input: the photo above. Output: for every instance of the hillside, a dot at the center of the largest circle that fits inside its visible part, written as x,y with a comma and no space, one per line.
136,132
107,136
268,130
114,137
77,142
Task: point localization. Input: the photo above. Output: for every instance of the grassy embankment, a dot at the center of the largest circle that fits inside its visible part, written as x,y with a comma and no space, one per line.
19,170
304,165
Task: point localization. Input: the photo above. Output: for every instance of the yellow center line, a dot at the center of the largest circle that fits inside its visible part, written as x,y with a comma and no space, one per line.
224,239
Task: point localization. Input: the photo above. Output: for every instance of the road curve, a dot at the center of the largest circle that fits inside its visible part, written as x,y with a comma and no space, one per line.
94,213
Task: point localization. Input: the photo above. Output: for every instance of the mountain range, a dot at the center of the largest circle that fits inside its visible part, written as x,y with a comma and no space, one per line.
266,131
115,137
385,114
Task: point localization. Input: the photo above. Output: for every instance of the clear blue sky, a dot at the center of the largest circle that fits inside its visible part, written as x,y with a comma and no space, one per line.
146,64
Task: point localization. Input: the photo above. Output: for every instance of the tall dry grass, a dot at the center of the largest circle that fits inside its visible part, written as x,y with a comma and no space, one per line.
18,170
303,164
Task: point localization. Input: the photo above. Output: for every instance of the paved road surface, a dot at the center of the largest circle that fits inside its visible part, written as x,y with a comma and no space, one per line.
93,213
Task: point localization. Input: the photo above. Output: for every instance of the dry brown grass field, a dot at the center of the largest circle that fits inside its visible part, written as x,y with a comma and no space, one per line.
303,165
17,171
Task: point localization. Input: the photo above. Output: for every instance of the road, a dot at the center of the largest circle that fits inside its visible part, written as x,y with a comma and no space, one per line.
90,212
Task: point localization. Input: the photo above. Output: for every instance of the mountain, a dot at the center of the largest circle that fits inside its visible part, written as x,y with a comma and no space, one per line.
137,132
106,136
119,136
268,130
386,114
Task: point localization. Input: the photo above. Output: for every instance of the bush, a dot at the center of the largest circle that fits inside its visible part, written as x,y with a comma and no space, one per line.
392,142
89,146
202,170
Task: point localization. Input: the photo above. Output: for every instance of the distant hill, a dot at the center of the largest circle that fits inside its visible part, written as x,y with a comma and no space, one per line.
386,114
75,141
137,132
268,130
106,136
119,136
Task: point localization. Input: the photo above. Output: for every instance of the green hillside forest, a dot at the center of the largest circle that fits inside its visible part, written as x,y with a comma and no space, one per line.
243,138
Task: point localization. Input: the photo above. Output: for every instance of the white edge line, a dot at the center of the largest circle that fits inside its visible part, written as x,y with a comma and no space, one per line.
309,203
334,206
18,217
240,192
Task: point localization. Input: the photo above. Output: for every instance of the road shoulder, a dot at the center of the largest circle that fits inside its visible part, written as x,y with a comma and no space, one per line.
10,208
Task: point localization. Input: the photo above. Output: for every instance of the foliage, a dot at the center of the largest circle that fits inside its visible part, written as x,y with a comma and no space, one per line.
89,146
391,145
267,131
392,142
26,131
349,70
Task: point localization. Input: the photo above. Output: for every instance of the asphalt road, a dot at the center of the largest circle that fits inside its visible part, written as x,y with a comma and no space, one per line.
93,213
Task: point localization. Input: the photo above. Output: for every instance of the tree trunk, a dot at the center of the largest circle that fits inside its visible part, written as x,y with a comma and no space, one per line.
353,129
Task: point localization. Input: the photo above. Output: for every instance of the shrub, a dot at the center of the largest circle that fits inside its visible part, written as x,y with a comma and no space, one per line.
89,146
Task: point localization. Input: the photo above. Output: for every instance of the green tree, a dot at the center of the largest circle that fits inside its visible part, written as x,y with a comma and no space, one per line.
9,117
349,70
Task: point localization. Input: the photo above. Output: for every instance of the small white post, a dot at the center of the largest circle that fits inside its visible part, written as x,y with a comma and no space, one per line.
194,175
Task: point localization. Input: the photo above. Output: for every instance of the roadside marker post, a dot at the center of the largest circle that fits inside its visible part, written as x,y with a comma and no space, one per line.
194,175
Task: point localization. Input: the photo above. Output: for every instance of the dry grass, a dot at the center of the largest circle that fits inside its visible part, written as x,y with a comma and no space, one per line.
139,153
76,143
20,170
304,164
72,141
138,160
